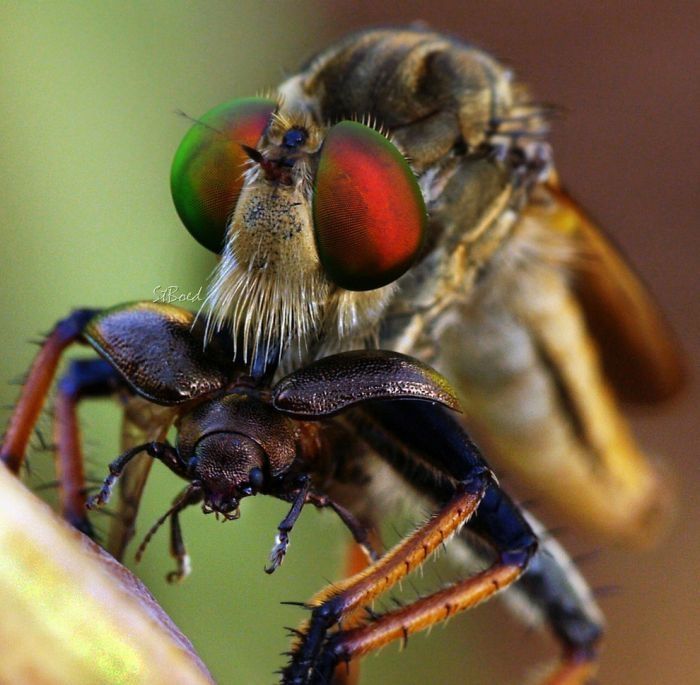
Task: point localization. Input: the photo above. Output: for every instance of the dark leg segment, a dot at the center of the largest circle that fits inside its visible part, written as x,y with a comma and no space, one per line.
411,431
356,561
84,378
191,495
177,544
555,590
158,450
282,541
366,537
551,585
37,386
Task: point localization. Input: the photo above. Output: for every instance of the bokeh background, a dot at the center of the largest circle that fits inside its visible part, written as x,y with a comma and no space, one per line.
88,93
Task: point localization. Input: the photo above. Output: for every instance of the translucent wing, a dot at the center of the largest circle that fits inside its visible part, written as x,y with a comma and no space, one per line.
638,351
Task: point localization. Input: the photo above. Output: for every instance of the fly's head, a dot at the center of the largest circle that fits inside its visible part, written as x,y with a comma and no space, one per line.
320,222
269,286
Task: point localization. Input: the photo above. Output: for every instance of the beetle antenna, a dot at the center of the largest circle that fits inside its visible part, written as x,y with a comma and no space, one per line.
180,503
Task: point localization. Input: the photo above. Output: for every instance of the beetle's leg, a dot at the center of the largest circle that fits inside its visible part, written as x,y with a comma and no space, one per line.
37,385
84,378
282,539
158,450
338,599
177,544
367,538
190,495
142,422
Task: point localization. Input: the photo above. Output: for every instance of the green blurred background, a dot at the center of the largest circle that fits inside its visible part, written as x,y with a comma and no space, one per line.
88,94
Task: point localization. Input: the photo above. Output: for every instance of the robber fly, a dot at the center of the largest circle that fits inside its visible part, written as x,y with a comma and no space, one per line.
400,192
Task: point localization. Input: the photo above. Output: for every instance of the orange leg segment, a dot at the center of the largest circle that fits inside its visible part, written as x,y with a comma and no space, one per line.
342,599
575,669
356,561
69,461
84,378
37,386
360,589
424,613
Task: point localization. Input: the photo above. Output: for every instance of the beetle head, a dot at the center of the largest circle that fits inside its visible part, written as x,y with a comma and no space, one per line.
228,467
233,447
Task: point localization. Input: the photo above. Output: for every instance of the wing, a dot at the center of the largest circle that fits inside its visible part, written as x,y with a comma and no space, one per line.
639,353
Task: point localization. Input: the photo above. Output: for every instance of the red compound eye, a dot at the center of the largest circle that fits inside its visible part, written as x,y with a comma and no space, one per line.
207,172
369,214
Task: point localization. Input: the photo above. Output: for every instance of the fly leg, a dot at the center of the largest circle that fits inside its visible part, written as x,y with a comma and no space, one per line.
363,551
356,561
558,596
423,443
516,544
84,378
37,385
340,599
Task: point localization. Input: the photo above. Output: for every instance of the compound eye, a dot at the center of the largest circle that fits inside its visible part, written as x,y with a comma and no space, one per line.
368,211
256,478
207,172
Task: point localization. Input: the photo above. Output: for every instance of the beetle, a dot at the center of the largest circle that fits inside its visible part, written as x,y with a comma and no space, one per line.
330,433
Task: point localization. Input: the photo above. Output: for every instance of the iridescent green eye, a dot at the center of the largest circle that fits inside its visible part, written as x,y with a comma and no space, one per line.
207,172
369,214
